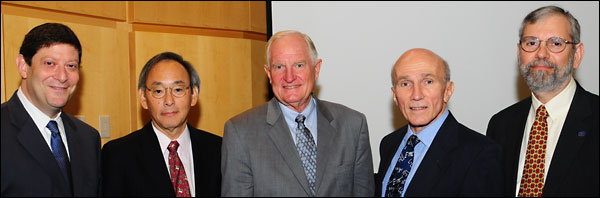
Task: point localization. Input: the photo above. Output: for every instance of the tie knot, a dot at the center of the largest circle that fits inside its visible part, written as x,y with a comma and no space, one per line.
413,140
173,146
541,112
300,119
53,127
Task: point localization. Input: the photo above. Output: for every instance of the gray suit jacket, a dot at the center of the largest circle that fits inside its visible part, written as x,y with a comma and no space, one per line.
259,157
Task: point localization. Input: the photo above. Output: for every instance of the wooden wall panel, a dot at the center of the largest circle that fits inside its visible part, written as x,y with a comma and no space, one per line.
231,15
104,61
223,65
2,73
260,81
225,41
105,9
258,16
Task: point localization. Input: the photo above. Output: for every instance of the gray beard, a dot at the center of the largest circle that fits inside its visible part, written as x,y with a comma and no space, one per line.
539,81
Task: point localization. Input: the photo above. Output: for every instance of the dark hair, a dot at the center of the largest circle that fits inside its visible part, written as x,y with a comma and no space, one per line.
194,79
540,13
46,35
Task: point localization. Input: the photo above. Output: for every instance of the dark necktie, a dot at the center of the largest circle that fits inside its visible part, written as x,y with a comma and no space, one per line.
59,151
178,176
532,181
307,149
395,185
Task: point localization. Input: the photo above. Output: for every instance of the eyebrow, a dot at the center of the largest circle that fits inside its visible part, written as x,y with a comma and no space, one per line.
161,83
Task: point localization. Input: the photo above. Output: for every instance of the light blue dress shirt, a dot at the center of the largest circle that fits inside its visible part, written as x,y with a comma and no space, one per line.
310,112
426,136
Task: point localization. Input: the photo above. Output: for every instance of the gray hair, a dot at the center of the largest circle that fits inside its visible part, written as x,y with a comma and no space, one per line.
311,46
194,78
542,12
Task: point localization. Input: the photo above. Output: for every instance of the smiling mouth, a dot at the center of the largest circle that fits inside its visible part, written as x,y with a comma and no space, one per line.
59,88
417,108
291,87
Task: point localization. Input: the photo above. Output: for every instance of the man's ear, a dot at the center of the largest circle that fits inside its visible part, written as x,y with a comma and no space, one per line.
268,72
194,96
22,66
143,99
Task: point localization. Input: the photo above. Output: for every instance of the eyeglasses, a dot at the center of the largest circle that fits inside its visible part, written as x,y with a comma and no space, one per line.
160,92
554,44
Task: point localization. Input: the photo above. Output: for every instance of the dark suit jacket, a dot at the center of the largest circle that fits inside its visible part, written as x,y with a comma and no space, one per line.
574,167
459,162
28,166
133,165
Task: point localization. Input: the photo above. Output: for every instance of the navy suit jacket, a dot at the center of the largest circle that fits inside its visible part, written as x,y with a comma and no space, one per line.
459,162
133,165
28,166
574,167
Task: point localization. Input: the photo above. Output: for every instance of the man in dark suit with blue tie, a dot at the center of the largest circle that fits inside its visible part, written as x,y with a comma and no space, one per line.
563,151
45,151
434,155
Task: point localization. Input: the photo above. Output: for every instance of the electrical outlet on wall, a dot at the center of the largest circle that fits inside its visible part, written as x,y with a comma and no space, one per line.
104,126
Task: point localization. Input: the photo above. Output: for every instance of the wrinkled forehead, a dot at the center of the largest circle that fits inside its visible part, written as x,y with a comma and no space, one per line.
419,66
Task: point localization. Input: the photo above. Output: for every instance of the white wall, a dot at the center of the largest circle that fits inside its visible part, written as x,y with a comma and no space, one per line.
360,41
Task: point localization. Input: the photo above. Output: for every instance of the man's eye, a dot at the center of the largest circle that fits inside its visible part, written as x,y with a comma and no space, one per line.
403,84
531,43
48,63
299,65
278,66
428,81
178,89
158,91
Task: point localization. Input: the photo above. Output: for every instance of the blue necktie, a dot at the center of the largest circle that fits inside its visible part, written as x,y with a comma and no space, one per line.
395,185
59,151
307,149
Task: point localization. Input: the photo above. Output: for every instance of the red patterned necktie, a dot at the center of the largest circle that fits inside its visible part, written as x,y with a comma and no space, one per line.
532,182
178,177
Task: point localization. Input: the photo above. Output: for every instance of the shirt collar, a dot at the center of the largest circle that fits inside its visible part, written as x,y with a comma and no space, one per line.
558,105
39,118
307,112
164,141
428,133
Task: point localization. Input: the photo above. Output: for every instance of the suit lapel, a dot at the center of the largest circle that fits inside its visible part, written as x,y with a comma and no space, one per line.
78,168
153,161
436,160
515,132
569,142
326,134
281,137
31,139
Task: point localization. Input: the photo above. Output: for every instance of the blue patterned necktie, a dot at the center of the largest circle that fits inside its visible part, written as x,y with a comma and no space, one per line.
307,150
59,151
395,185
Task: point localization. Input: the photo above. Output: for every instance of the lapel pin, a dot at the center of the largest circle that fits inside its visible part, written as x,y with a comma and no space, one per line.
581,133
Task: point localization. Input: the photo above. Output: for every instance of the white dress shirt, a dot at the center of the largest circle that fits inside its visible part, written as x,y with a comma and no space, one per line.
41,120
557,108
184,151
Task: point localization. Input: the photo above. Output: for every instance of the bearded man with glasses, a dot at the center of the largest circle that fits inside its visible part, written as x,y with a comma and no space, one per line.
549,140
168,157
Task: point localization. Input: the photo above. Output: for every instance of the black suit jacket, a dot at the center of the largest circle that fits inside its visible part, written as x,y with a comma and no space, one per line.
574,167
28,166
133,165
459,162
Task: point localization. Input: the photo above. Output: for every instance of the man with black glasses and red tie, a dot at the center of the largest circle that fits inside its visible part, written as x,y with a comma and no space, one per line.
168,157
549,140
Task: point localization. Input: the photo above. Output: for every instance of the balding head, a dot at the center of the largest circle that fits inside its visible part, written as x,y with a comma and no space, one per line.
421,87
423,57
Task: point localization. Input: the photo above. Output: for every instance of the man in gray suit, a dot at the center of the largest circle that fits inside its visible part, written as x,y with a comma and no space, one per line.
296,144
